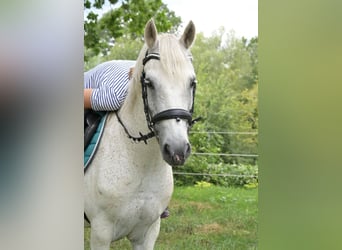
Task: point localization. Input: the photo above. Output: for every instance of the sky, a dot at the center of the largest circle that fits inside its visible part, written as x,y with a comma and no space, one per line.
208,16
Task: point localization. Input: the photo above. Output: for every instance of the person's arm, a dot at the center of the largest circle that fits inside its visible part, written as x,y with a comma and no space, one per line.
87,98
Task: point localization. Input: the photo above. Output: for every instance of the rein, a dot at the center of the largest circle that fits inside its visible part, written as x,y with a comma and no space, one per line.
178,114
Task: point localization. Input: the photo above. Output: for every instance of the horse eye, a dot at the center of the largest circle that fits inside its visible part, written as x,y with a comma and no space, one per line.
148,83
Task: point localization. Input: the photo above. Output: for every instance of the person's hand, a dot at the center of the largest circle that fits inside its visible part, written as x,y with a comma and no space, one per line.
87,98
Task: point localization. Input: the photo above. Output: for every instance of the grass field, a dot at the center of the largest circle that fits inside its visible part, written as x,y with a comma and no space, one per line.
206,218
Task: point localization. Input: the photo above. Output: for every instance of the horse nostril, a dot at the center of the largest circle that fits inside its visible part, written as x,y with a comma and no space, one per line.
176,155
167,149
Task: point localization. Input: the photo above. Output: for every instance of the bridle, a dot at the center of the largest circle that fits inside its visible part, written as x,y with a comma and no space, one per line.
176,113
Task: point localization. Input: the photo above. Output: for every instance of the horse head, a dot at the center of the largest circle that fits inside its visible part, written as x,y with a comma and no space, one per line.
168,86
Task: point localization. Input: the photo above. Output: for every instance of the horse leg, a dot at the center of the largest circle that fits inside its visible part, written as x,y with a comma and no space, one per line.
101,234
147,243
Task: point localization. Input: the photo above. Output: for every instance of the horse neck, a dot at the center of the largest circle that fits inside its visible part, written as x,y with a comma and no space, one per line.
132,111
133,117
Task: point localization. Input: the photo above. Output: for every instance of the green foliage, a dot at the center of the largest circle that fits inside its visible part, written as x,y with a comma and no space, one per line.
124,49
221,174
202,184
227,99
226,96
127,20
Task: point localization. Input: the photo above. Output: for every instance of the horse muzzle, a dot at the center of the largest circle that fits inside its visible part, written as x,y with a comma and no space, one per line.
176,155
173,126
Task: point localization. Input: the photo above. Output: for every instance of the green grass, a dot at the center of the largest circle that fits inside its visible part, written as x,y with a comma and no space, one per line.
206,218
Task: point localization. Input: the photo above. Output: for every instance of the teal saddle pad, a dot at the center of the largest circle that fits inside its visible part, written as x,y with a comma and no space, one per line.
89,152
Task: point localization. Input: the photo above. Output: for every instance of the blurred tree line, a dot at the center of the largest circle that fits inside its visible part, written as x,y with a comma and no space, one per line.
226,97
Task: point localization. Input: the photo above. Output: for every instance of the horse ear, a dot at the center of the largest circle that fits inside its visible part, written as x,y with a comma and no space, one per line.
188,36
150,33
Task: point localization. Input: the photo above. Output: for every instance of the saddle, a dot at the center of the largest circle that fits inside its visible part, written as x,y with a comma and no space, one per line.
94,122
91,122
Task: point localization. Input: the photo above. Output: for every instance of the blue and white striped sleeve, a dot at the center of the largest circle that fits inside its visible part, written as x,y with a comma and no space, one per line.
109,82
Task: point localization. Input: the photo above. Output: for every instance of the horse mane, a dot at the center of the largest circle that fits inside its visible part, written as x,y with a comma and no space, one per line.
174,58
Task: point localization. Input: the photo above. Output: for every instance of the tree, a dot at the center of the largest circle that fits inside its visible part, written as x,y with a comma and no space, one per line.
226,98
227,93
128,20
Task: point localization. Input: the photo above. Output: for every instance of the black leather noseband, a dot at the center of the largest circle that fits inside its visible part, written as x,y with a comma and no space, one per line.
172,114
